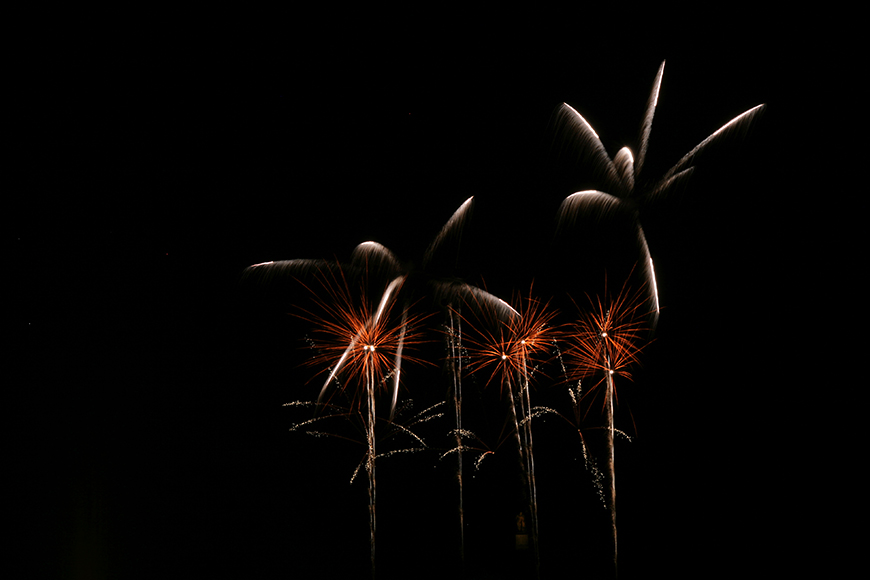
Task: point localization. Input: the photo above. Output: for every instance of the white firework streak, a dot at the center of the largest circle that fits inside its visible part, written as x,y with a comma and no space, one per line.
741,119
648,119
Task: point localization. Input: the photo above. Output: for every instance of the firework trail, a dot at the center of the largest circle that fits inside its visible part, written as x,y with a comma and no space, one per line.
621,175
454,360
451,232
452,294
509,344
334,414
605,343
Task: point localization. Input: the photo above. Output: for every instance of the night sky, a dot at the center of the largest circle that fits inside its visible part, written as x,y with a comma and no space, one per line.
150,170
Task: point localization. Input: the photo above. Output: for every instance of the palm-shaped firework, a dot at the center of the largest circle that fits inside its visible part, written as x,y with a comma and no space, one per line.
507,345
349,354
621,174
361,345
605,343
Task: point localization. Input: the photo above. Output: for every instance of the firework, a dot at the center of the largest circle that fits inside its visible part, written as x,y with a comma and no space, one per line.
361,345
509,345
621,174
364,327
450,293
605,344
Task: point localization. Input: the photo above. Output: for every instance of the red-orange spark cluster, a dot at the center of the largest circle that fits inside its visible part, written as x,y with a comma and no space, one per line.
510,342
608,338
359,338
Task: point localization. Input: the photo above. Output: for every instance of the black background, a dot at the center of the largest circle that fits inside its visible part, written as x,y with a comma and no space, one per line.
150,167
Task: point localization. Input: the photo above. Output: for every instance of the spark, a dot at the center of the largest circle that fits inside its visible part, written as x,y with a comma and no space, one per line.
481,458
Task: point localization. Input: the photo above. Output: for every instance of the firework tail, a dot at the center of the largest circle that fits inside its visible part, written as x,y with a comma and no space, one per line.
523,434
453,295
610,475
455,338
524,440
608,344
520,336
368,337
370,459
526,407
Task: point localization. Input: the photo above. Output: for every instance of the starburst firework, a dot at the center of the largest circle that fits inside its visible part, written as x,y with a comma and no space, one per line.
507,341
608,337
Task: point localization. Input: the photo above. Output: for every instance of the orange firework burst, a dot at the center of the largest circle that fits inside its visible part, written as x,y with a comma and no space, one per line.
608,338
510,341
360,340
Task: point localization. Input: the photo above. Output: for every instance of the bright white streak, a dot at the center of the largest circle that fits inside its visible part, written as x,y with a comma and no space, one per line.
352,344
461,209
261,264
454,222
658,84
688,156
592,142
508,306
664,185
734,120
367,251
584,121
386,297
337,367
643,145
398,364
574,204
650,273
624,164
